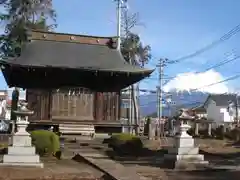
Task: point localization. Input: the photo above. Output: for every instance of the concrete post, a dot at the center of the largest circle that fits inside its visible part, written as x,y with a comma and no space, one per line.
209,129
196,129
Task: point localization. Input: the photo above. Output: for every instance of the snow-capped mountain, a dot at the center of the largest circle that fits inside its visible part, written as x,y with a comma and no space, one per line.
186,99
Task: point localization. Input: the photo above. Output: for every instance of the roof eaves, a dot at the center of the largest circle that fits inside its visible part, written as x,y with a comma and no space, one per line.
206,101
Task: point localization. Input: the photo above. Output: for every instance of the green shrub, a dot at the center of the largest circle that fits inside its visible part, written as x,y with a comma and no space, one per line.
202,133
125,144
146,126
46,142
233,134
236,134
58,133
219,132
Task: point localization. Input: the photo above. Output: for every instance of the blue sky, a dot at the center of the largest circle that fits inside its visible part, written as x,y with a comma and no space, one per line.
173,28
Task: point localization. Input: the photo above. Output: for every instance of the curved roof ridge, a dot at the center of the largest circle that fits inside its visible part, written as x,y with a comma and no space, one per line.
74,38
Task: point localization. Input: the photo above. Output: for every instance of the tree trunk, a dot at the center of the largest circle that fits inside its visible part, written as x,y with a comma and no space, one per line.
135,108
14,107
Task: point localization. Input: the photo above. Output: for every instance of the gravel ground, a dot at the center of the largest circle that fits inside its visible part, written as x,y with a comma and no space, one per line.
65,169
68,169
203,175
10,173
216,148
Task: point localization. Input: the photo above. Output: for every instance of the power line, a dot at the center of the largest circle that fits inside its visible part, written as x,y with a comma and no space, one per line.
156,78
211,67
225,37
208,85
155,101
221,63
219,82
205,70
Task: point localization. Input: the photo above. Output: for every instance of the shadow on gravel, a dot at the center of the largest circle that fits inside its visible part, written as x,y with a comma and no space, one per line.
232,159
208,174
149,158
80,159
220,155
97,148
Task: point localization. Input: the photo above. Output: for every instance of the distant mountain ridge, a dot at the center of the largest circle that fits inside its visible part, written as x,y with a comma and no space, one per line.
184,99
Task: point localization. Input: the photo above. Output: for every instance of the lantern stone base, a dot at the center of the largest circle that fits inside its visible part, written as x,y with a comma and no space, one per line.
184,154
184,158
22,153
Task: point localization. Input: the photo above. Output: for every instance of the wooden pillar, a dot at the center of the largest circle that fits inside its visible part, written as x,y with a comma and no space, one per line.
117,106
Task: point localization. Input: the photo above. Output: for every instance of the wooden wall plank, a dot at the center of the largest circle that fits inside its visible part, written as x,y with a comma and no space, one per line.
82,105
39,102
75,104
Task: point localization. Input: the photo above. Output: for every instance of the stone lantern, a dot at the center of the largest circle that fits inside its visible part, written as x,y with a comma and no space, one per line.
184,151
22,153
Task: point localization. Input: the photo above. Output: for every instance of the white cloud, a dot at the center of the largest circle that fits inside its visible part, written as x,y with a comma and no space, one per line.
190,80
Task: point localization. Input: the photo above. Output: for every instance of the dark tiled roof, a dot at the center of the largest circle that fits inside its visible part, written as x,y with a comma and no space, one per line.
54,60
199,109
84,53
223,99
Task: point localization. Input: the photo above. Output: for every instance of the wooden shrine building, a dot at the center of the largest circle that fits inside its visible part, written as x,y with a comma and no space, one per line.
72,79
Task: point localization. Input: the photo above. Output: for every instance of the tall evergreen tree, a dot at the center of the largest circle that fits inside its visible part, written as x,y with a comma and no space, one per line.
134,50
20,16
135,53
132,47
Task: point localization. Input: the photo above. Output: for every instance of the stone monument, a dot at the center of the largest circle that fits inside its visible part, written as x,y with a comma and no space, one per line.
22,153
184,153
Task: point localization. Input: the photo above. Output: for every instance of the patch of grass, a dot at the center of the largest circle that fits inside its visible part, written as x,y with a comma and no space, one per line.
3,145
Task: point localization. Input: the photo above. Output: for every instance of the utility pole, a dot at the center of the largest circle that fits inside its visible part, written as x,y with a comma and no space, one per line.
160,128
237,105
119,20
119,12
120,6
170,102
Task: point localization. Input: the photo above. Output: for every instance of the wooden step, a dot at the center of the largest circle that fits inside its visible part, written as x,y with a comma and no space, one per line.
85,130
75,125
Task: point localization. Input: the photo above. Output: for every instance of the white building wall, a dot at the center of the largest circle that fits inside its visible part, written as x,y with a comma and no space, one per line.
219,114
213,111
227,117
8,114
